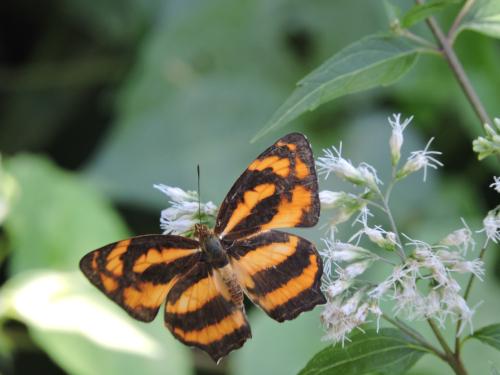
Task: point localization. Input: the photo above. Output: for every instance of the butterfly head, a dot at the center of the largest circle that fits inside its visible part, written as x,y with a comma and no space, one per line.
210,245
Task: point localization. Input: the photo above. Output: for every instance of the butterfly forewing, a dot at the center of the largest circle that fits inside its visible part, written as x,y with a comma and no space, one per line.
280,272
137,273
200,312
278,190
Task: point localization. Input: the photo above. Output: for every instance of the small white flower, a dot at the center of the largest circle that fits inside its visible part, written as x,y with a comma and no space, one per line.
496,184
330,199
420,159
396,140
334,199
374,308
369,176
475,267
341,316
337,251
491,225
184,212
333,162
380,237
177,194
338,287
460,238
356,269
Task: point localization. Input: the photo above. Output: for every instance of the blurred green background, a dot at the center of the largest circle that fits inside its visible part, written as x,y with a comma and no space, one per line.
100,100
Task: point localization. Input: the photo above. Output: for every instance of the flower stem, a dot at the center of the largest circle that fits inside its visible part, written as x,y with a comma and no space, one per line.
457,69
453,360
439,337
466,295
385,203
415,335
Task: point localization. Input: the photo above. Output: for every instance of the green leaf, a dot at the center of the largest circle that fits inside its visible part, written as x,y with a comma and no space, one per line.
489,335
373,61
420,12
387,352
84,332
483,17
56,218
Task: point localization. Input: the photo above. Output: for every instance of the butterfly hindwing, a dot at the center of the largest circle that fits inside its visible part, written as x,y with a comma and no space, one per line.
280,272
278,190
199,312
137,273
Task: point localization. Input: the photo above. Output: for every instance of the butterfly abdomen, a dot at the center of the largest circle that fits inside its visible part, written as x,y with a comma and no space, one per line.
230,281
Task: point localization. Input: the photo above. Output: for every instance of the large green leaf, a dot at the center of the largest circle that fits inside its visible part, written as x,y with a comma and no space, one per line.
386,352
483,17
371,62
84,332
489,335
57,218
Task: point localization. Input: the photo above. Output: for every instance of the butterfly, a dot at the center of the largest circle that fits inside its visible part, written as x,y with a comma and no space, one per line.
203,280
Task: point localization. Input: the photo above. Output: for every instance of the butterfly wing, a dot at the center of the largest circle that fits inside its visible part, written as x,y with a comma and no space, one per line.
199,312
279,272
278,190
137,273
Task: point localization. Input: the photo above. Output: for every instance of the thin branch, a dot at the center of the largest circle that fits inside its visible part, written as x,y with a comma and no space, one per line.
452,33
466,295
418,39
440,337
457,69
385,203
416,336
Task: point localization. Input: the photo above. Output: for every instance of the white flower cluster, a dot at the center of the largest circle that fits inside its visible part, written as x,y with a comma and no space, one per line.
348,307
183,214
422,285
441,297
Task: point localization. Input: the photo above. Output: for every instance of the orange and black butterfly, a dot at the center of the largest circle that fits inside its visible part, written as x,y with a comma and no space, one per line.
203,280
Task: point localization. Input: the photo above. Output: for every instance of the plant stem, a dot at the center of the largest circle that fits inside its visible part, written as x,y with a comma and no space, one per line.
454,361
418,39
439,337
415,335
385,202
457,69
466,295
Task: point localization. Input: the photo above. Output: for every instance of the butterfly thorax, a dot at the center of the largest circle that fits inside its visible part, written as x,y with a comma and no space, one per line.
216,255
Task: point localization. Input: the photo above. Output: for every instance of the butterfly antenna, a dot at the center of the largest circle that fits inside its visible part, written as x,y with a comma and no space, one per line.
199,193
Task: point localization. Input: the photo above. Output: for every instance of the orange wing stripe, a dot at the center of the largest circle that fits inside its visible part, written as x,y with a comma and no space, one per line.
292,288
109,283
115,264
301,169
290,212
155,256
213,332
194,297
267,256
149,295
250,200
